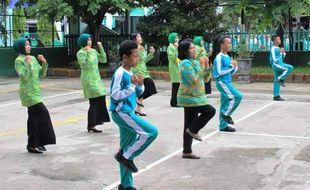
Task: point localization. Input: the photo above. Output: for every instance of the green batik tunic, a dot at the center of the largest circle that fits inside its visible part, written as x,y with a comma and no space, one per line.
29,84
141,66
200,54
174,72
192,90
90,76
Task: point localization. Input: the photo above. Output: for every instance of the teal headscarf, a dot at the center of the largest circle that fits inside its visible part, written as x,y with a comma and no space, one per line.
82,40
19,45
197,40
172,37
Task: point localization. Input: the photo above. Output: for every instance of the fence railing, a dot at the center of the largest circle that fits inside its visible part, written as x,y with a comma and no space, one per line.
300,41
109,42
38,38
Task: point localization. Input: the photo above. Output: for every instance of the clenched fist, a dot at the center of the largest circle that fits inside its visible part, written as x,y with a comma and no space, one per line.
28,59
99,44
234,63
42,59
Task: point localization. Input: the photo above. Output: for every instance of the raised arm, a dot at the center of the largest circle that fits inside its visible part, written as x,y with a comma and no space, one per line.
119,94
219,69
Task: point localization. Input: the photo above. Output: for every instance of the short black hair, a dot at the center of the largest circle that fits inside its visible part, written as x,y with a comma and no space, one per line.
274,37
183,49
126,48
221,39
154,46
134,36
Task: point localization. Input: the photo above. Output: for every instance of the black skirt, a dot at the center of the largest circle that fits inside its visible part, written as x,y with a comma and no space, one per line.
97,113
149,88
39,126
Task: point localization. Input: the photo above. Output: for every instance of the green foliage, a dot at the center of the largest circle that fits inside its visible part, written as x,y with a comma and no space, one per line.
45,28
243,51
188,18
92,12
19,22
261,15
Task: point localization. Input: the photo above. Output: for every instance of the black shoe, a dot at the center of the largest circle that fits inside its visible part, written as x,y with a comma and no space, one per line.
127,163
42,148
140,114
141,105
281,82
94,130
190,156
120,187
228,129
34,150
228,119
174,105
278,98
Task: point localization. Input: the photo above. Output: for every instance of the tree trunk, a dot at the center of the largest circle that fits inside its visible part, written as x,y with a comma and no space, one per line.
94,30
94,25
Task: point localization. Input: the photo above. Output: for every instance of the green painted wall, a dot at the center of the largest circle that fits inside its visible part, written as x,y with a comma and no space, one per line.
56,57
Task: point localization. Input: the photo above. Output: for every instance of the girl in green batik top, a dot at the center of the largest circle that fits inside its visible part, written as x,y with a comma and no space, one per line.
39,125
141,70
93,87
172,54
203,56
192,96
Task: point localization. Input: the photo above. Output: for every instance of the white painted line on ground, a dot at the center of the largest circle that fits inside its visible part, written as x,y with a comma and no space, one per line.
148,167
270,135
255,112
216,93
279,102
44,98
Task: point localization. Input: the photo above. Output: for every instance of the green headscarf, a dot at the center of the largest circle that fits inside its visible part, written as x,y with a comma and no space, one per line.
172,37
82,40
19,45
197,40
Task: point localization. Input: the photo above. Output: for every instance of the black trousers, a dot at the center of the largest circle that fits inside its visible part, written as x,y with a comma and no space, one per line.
150,88
97,112
39,126
174,93
208,87
195,118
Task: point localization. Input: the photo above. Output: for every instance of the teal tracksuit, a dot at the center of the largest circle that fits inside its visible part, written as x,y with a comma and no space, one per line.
136,134
230,96
281,70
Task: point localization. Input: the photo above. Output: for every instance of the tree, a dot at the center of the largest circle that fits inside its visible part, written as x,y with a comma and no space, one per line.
92,12
188,18
3,31
45,29
19,22
275,13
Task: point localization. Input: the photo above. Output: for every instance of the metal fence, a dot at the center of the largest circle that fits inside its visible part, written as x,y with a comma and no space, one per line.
38,38
300,41
109,42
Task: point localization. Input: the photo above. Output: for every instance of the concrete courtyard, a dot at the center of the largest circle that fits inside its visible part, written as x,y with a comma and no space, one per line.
269,151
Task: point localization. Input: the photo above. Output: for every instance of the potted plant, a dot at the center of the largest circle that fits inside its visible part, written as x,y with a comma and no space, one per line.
244,60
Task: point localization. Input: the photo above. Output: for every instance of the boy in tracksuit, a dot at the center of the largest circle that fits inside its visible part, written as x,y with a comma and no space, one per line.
223,70
135,133
281,70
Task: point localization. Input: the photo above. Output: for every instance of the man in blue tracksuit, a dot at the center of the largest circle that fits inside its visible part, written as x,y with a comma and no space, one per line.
223,70
281,70
135,133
